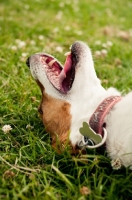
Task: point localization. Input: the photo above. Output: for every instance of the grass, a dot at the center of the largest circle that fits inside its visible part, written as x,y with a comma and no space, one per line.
29,167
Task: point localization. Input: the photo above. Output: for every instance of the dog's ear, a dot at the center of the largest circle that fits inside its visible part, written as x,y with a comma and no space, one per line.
40,86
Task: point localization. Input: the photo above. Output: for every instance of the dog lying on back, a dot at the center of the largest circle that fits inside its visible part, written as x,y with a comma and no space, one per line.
72,97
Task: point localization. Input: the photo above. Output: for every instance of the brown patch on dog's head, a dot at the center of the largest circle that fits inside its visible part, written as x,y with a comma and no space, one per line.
56,117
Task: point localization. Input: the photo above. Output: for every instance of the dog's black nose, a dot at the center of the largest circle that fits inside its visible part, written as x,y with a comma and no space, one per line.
28,62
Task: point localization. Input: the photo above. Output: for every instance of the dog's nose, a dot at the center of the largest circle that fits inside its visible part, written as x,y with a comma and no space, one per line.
28,62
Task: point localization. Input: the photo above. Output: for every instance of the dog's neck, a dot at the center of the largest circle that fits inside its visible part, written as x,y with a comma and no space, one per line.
82,112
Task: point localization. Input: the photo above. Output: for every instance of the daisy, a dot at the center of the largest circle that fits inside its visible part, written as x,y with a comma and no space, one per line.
116,163
6,128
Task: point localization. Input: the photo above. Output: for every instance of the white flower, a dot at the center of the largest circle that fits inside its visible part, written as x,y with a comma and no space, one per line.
104,52
98,42
14,48
56,29
59,15
27,7
101,53
116,163
104,45
24,54
79,32
6,128
109,43
75,1
59,49
61,4
67,28
29,126
21,44
76,8
17,41
40,37
32,42
97,53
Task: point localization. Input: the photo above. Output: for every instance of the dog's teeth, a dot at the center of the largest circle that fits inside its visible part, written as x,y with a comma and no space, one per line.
53,69
57,73
51,62
68,53
43,59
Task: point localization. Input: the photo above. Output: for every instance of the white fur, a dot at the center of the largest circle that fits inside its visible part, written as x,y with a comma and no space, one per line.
85,95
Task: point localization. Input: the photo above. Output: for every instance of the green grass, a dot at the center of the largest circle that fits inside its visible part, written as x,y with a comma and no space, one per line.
29,167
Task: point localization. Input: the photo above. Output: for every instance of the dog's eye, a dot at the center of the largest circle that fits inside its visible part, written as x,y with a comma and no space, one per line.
40,110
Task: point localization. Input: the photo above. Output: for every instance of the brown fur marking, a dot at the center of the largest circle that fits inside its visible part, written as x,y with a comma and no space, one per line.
56,118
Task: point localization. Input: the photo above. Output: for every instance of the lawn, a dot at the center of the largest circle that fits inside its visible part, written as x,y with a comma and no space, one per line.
29,167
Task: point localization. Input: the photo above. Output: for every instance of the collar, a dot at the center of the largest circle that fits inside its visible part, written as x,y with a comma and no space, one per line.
97,123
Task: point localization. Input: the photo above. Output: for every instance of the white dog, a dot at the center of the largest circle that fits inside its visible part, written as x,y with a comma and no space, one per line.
72,96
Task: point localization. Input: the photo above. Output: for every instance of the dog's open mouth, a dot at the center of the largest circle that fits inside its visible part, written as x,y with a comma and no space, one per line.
60,77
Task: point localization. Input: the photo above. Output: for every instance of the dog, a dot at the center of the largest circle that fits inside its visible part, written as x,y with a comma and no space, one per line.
72,96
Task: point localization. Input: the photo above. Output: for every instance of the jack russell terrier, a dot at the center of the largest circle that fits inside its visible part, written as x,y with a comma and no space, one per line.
76,108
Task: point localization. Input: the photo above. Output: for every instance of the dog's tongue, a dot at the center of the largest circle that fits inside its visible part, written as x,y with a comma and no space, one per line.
67,67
